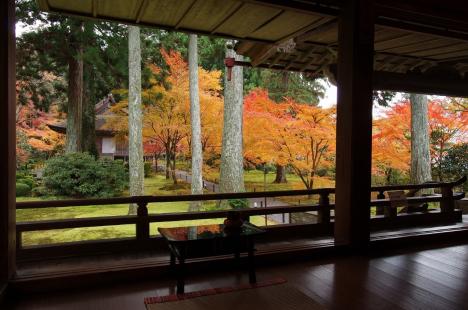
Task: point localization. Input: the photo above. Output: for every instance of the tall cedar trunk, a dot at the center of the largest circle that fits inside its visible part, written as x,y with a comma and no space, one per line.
88,143
420,153
231,177
75,93
135,116
280,174
196,145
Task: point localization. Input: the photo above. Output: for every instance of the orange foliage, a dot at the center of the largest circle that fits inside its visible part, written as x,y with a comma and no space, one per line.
289,133
391,141
166,111
32,125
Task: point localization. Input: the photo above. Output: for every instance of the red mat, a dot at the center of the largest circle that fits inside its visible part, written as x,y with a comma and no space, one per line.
211,291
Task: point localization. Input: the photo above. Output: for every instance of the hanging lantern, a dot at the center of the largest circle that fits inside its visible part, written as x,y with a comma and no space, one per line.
229,62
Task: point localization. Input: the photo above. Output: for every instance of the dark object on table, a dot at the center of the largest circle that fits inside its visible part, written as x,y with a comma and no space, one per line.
209,240
233,222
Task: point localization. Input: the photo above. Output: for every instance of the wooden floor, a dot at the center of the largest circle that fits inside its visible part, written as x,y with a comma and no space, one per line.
113,261
424,278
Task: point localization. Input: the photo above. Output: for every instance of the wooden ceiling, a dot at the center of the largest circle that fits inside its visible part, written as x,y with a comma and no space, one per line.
411,36
396,50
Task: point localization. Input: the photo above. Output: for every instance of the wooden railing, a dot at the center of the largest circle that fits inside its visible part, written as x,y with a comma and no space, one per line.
143,219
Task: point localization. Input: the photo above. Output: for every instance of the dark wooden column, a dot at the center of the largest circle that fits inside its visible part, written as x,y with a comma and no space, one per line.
354,123
7,142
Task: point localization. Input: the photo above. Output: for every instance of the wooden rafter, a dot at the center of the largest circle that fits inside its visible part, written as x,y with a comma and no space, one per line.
181,19
140,10
95,7
226,17
268,21
267,51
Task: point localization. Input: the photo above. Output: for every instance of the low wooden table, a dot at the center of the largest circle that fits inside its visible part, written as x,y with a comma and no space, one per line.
209,240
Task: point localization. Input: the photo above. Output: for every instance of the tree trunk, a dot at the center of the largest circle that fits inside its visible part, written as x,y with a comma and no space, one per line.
155,162
168,163
231,177
420,154
196,145
280,174
75,94
135,117
88,143
173,170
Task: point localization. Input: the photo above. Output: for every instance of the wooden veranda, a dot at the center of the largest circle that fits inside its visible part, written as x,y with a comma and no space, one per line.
415,46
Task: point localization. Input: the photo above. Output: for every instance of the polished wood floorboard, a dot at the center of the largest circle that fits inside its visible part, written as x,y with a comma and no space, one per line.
428,278
79,264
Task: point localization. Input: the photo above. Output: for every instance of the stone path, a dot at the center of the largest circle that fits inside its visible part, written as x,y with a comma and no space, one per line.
254,202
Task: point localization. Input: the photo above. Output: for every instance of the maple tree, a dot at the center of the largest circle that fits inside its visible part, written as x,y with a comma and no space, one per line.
391,140
288,133
33,132
166,118
448,126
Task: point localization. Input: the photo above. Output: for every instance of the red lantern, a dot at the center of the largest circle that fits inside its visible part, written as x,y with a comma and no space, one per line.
229,62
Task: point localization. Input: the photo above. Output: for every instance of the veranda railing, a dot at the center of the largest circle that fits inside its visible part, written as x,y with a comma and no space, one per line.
143,239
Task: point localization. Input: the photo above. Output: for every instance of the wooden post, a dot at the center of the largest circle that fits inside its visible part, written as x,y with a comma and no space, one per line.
143,225
354,123
447,204
390,211
324,211
7,143
380,210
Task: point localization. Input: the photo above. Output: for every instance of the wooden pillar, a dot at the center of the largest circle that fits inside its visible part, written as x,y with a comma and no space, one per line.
7,142
354,123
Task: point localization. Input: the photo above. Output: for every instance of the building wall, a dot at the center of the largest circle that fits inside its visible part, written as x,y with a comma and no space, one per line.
108,145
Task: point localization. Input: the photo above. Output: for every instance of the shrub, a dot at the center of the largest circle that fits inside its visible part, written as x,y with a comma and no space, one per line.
321,172
40,191
237,204
81,175
26,180
22,190
148,169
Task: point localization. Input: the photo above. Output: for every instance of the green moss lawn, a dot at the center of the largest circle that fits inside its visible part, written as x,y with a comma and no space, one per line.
155,185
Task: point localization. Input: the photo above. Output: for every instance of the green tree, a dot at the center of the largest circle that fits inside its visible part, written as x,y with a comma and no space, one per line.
87,55
455,163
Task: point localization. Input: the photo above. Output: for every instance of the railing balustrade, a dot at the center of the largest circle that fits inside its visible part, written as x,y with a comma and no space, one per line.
143,219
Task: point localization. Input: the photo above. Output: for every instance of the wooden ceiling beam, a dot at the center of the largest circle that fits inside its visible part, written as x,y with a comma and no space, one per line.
322,28
275,60
181,19
140,10
421,84
265,66
267,51
226,17
324,7
421,28
95,7
272,18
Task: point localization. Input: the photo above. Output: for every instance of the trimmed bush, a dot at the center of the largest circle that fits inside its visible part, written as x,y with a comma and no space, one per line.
238,204
22,190
80,175
148,169
40,191
26,180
